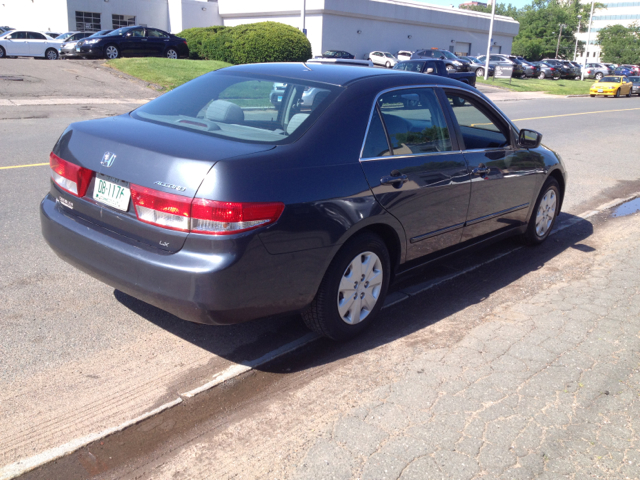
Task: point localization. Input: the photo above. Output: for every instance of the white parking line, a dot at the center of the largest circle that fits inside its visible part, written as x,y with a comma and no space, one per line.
19,468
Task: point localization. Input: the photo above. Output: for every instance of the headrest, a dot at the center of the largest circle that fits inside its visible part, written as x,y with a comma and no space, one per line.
225,112
295,122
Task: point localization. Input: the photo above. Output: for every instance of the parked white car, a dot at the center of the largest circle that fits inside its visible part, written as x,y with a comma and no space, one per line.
384,59
23,43
403,55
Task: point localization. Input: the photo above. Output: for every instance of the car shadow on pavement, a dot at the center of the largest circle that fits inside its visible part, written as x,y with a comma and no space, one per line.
246,342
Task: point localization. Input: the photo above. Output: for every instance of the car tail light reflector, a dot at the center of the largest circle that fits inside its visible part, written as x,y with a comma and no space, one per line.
70,177
224,218
159,208
199,215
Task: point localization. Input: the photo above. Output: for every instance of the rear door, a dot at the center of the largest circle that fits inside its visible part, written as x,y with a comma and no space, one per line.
504,179
37,43
157,41
415,168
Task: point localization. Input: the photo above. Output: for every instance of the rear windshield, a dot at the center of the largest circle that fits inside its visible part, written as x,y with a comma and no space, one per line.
246,108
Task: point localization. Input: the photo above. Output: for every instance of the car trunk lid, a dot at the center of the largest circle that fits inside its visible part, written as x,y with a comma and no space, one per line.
123,151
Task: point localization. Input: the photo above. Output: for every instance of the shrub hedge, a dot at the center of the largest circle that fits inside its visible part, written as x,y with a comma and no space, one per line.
249,43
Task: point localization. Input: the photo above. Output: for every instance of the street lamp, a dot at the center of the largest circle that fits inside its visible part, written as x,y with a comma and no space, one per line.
575,50
562,25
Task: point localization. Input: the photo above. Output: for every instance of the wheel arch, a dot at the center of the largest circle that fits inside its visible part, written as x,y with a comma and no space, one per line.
557,174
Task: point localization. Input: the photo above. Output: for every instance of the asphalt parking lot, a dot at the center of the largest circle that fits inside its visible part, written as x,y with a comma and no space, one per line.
80,358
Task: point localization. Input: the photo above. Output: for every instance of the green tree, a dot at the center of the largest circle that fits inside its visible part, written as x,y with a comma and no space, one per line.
620,44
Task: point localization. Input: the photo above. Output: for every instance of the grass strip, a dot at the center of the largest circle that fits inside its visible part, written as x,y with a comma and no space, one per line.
165,72
553,87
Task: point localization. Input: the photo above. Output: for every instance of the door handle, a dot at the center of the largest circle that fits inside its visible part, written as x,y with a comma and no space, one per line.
481,171
144,39
395,180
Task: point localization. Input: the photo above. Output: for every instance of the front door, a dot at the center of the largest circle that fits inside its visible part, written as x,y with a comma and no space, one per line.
17,44
134,43
416,170
504,178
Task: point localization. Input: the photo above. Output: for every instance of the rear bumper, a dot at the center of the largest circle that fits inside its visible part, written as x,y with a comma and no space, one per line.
210,280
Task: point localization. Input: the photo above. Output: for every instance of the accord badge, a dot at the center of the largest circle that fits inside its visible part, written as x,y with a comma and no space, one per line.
171,186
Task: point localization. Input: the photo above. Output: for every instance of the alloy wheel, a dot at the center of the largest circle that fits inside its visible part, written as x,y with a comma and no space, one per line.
360,287
171,53
546,212
111,52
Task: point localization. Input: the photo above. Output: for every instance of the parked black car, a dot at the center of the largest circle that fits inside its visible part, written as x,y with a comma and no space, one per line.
337,54
222,210
566,69
453,63
531,70
133,41
68,47
548,71
495,60
435,67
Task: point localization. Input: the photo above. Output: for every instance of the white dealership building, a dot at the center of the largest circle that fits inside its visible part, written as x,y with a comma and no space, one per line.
357,26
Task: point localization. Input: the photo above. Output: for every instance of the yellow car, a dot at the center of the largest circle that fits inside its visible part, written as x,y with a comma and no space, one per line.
614,85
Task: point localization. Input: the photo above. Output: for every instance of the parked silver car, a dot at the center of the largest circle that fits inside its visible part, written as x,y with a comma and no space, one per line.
384,59
596,70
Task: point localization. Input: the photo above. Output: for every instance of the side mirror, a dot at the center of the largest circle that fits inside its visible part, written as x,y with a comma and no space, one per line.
128,34
429,70
529,139
8,37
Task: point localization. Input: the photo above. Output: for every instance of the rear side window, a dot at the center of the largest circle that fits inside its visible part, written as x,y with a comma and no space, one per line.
36,36
241,108
414,122
376,144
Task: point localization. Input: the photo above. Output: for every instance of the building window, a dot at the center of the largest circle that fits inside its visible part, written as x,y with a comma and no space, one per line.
88,22
119,21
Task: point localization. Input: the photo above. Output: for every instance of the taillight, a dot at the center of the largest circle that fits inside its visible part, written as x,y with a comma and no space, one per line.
210,217
70,177
159,208
224,218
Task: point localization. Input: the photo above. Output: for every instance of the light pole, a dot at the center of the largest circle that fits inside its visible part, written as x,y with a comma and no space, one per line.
493,16
586,48
562,25
575,50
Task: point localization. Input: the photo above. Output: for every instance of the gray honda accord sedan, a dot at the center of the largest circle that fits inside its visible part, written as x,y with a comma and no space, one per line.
218,205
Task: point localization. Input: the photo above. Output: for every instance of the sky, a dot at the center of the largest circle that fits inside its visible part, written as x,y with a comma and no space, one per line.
515,3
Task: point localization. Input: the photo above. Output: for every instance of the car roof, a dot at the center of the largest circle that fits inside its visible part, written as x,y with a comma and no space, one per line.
339,75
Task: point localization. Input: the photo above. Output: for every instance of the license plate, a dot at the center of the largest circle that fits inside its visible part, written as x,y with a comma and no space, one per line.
599,90
112,192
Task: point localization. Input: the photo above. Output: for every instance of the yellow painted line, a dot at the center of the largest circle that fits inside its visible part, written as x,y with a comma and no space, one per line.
572,114
24,166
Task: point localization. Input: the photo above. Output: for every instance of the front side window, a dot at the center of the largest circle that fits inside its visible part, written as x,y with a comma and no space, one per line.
241,108
88,21
480,129
19,35
414,123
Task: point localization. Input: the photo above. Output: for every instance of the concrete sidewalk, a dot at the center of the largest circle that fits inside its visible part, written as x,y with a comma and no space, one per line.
497,94
539,379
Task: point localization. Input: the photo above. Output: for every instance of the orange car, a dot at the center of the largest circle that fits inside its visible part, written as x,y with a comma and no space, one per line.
614,85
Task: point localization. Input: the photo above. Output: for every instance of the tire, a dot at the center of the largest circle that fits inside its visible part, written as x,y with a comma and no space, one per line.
3,53
111,52
171,53
592,96
388,65
480,72
629,94
451,69
324,315
618,93
541,76
457,101
544,213
599,75
51,54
